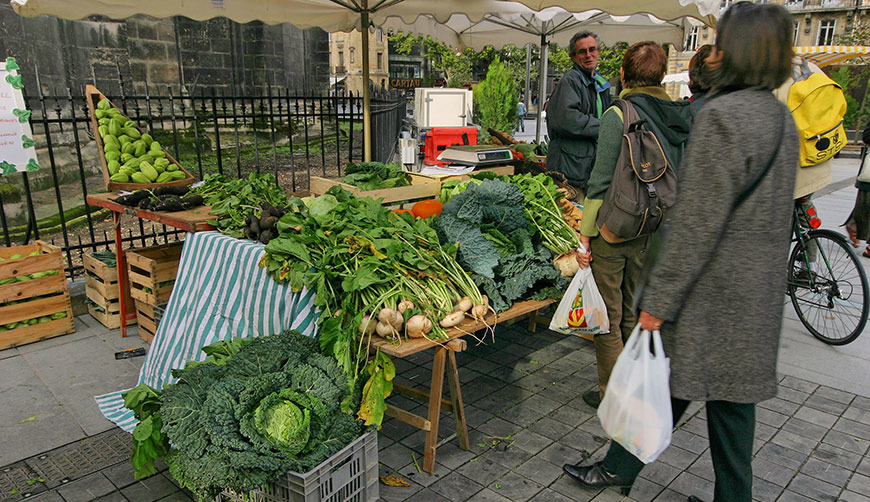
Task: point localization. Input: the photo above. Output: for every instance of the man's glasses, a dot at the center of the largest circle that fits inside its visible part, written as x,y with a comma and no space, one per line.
591,50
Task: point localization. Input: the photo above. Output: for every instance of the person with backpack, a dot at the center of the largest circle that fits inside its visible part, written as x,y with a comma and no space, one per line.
617,257
715,292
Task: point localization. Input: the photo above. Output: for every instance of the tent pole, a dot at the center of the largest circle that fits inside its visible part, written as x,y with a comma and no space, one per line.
527,94
367,117
542,85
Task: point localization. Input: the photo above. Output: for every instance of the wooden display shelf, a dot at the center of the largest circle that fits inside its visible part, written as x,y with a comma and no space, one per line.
444,364
192,220
421,187
94,96
35,298
149,268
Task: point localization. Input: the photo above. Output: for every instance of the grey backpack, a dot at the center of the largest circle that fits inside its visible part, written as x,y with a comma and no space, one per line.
644,184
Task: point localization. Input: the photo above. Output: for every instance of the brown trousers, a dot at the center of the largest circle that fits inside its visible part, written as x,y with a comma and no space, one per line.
616,268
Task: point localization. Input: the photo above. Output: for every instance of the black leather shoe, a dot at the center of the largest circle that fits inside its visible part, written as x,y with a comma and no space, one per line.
592,398
595,476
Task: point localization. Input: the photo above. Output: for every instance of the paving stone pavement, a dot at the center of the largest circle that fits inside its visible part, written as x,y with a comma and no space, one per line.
526,418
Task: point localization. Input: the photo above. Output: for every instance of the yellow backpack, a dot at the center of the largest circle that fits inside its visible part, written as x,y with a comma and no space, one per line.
818,106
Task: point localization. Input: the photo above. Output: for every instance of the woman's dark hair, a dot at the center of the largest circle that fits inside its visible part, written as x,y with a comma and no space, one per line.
699,73
757,48
644,64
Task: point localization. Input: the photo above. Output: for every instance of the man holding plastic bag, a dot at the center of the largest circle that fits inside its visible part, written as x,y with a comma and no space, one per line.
716,290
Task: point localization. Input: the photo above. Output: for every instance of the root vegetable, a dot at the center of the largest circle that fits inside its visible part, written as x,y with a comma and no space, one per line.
479,311
452,319
385,330
405,305
367,326
418,326
387,315
398,320
567,265
463,304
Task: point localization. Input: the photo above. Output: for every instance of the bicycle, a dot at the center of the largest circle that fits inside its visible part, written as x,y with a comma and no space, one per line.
826,281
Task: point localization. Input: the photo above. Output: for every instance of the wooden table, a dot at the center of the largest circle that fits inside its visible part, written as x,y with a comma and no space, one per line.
445,356
192,220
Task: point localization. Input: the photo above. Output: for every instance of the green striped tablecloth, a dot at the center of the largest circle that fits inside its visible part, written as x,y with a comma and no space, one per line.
220,293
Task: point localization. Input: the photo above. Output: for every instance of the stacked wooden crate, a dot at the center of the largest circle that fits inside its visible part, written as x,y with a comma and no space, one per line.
34,299
101,287
152,272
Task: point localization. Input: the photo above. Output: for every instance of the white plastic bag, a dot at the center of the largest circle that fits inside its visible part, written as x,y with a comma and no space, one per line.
582,310
636,409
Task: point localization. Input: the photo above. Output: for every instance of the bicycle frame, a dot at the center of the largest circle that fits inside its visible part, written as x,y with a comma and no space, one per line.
801,235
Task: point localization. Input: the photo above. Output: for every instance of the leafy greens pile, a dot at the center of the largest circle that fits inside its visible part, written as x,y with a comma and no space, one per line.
232,201
359,258
375,175
243,419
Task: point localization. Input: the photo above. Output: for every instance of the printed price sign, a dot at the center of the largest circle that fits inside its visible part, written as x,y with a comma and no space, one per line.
17,148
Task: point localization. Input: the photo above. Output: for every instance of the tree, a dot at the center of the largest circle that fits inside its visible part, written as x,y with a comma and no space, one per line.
609,59
851,78
455,66
495,99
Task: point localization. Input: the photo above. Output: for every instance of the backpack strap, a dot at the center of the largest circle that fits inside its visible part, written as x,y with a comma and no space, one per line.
757,181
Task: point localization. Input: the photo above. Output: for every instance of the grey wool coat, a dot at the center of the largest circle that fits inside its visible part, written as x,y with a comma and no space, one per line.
720,277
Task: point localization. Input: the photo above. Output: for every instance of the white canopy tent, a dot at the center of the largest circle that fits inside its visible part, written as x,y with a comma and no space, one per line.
824,55
345,15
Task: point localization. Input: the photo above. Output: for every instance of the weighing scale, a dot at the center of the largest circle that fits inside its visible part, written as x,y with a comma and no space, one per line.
476,155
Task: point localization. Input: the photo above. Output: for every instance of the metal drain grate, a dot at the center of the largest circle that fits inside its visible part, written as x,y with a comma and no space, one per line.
14,481
77,460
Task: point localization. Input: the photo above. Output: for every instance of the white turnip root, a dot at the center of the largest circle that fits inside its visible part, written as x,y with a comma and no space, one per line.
463,304
385,330
567,264
398,320
418,326
452,319
387,315
479,311
405,305
367,326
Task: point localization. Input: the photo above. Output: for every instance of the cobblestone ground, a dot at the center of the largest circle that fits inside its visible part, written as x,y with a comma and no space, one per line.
526,418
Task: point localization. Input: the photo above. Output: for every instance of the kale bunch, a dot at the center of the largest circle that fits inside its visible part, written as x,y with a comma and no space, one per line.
374,175
272,407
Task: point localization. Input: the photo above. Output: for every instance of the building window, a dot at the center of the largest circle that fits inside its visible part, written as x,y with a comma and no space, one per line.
794,37
692,39
352,55
380,60
826,32
725,4
380,35
341,58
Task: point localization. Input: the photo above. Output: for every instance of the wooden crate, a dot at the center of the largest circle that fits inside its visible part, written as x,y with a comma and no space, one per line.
102,290
421,187
149,317
149,267
94,96
35,298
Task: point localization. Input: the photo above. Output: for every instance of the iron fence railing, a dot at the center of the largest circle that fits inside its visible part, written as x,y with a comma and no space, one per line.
292,135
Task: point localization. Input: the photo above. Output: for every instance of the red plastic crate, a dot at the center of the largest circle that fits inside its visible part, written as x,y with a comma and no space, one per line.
439,138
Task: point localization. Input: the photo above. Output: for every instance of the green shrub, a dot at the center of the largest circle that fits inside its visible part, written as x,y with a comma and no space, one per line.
9,194
495,100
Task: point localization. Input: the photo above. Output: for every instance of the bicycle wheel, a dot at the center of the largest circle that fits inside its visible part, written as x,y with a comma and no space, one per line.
831,295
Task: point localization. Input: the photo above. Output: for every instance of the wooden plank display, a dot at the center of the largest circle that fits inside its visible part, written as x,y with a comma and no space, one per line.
33,308
421,187
101,288
152,272
94,96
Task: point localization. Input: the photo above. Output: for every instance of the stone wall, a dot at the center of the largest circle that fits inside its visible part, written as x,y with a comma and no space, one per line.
162,53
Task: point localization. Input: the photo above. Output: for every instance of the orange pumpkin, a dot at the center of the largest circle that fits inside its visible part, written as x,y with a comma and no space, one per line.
427,208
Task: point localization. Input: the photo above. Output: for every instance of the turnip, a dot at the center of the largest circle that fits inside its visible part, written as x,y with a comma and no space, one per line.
463,304
405,305
418,326
367,326
452,319
398,320
567,264
387,315
479,311
385,330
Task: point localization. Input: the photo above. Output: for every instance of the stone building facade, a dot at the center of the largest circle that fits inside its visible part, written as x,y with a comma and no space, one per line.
163,53
345,55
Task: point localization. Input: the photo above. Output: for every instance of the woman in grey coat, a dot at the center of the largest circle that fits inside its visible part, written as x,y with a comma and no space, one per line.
716,291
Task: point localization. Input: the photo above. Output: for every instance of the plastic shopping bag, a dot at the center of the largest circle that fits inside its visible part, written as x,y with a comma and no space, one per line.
582,310
636,409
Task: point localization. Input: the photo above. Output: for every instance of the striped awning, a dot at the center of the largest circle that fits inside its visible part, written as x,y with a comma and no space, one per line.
824,55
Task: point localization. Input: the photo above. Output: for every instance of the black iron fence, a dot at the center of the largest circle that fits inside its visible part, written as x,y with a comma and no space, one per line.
211,131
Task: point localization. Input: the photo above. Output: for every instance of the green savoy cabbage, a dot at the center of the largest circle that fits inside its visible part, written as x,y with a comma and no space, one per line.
272,407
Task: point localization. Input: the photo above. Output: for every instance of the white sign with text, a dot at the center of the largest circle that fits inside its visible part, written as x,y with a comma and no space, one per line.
17,148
